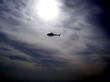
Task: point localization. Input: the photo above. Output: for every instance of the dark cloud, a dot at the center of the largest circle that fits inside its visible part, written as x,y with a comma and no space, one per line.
27,54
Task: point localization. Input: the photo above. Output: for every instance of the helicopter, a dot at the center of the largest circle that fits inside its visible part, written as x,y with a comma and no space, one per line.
53,34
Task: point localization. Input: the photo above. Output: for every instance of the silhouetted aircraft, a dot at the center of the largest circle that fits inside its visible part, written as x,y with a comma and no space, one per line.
52,34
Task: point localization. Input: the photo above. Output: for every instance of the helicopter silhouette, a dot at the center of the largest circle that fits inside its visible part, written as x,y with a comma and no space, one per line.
53,34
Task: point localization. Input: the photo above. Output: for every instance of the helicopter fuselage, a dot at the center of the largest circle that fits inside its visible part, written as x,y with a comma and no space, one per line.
52,34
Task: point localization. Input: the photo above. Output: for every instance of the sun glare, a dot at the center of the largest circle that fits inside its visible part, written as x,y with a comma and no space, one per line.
47,9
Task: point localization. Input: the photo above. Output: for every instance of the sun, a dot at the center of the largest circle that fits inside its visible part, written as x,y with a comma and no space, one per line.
48,9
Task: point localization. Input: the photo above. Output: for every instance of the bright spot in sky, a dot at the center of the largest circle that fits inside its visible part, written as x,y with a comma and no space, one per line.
47,9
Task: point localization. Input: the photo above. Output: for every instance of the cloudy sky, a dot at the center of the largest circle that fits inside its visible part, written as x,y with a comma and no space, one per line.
27,53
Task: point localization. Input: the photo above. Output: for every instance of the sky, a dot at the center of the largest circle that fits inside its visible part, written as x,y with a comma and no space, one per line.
28,54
